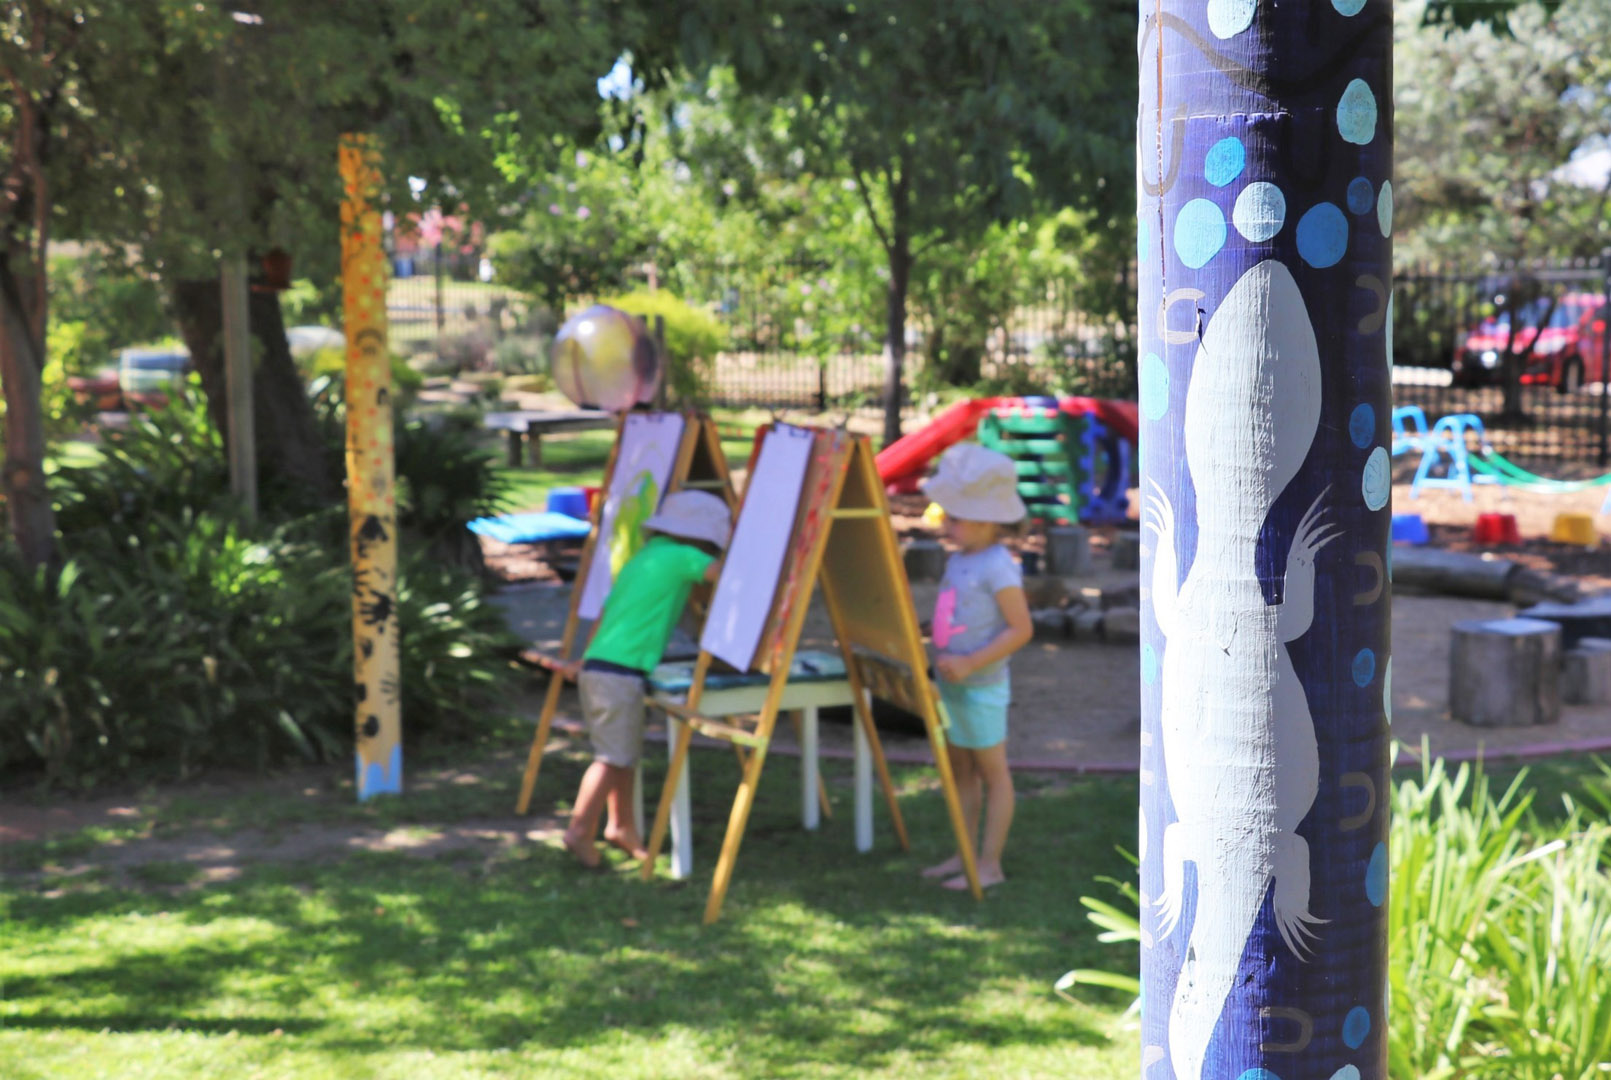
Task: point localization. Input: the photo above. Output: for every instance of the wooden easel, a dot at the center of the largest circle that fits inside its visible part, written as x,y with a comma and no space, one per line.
701,466
843,538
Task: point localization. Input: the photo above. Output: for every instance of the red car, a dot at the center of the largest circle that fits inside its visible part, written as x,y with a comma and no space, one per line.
1567,353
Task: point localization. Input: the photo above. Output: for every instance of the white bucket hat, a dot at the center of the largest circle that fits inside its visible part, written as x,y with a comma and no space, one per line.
976,484
694,515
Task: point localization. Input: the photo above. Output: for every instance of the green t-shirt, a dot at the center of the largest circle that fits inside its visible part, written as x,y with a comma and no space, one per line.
645,603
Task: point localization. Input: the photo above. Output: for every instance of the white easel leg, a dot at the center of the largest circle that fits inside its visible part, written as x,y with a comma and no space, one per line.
864,790
637,798
682,816
810,809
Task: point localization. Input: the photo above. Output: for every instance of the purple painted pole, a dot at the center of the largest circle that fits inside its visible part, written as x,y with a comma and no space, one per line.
1264,220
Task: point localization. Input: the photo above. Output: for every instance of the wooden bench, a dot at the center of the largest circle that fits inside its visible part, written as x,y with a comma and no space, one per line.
531,425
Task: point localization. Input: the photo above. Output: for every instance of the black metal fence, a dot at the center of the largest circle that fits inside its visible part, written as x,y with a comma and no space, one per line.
1522,346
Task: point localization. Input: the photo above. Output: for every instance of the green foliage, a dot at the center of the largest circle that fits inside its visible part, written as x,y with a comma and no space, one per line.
693,338
1499,924
311,303
1500,949
522,354
1527,93
446,479
114,304
193,643
177,638
331,364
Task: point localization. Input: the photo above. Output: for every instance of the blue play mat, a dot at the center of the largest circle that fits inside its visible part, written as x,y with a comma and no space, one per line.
534,528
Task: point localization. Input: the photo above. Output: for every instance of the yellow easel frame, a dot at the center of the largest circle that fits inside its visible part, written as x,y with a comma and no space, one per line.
856,560
692,470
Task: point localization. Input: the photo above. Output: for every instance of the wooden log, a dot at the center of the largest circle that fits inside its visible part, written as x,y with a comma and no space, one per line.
1505,673
1588,618
925,560
1586,673
1452,573
1068,551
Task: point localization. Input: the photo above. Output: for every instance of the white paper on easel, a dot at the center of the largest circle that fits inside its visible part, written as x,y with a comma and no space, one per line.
643,464
750,574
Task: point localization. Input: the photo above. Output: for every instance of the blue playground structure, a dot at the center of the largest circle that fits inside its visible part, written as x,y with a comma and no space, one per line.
1446,446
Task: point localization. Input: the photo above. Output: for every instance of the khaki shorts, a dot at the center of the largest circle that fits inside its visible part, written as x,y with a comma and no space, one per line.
613,707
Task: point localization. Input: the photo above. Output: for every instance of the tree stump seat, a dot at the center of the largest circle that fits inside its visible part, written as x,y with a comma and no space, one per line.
1505,672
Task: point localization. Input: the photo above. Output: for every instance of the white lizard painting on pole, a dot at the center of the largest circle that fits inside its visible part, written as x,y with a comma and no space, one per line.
1228,683
1264,204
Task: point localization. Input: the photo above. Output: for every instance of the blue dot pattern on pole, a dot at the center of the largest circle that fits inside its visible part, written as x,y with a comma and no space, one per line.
1376,877
1356,113
1260,211
1364,668
1154,383
1199,233
1376,482
1322,236
1356,1026
1299,135
1361,196
1225,161
1362,425
1227,18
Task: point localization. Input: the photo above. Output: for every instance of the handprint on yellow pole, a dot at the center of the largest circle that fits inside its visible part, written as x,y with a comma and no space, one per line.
371,501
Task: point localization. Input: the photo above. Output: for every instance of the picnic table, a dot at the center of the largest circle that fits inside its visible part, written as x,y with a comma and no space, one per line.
531,425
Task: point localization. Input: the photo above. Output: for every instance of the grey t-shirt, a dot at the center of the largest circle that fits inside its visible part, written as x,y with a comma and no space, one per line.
966,615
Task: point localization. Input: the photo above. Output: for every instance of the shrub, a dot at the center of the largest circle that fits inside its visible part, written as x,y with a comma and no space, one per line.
693,338
1499,932
197,644
522,354
176,638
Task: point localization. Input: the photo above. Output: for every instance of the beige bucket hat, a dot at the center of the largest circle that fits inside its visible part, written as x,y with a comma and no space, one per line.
694,515
976,484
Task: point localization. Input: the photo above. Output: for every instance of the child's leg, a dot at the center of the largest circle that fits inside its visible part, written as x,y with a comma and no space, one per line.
991,765
966,776
622,829
590,800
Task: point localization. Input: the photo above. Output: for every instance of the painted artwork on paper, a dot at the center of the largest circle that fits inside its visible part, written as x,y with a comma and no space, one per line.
643,464
750,575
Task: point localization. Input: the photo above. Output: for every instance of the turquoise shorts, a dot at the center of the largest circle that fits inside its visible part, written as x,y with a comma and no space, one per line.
978,713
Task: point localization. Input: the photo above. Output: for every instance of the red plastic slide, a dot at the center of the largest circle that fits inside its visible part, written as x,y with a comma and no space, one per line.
902,463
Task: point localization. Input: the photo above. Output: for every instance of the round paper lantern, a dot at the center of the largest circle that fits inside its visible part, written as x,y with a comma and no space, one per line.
604,358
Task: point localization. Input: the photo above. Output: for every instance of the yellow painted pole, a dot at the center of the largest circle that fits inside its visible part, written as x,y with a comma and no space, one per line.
372,505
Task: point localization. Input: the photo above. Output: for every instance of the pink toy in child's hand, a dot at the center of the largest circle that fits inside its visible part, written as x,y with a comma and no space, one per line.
945,608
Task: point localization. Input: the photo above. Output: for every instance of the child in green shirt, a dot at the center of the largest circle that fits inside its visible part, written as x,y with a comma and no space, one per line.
648,596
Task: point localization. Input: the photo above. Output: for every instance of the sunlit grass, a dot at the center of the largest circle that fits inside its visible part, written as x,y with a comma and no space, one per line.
826,963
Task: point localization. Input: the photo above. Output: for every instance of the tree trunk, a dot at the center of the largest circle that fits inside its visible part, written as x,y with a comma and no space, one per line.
22,353
1266,401
900,277
290,453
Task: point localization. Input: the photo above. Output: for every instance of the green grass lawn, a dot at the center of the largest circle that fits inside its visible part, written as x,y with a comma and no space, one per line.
826,963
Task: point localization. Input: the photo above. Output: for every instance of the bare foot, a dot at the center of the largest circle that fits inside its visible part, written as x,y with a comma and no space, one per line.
631,843
950,866
586,853
987,878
